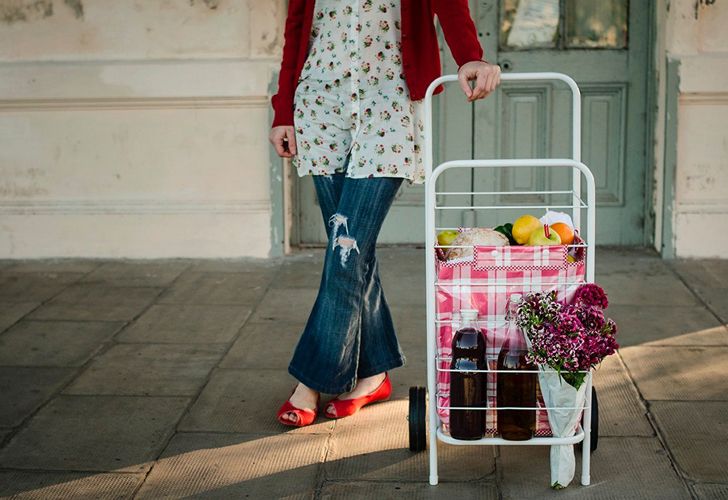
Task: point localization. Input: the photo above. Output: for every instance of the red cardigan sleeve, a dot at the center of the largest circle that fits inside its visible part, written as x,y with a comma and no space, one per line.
459,30
282,102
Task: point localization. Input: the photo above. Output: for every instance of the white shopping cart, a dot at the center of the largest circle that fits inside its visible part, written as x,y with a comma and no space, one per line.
426,404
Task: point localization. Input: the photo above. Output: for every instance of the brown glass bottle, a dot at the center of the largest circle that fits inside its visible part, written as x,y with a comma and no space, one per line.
515,389
467,388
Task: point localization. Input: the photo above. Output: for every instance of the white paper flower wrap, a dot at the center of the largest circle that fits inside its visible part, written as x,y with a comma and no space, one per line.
557,393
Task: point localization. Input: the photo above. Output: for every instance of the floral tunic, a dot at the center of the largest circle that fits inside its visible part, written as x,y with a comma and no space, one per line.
351,101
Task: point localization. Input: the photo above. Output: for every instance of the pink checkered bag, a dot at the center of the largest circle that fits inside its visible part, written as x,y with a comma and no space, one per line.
485,282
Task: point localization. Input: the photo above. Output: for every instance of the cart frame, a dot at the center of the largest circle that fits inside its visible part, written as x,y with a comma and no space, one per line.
583,433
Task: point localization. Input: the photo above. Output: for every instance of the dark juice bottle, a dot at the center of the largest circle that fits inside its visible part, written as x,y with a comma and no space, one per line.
468,388
515,389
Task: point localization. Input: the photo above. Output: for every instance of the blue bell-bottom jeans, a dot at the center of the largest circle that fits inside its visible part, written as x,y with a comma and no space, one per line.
349,334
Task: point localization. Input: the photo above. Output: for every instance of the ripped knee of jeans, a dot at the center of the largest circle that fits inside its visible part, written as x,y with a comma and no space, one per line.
337,220
345,242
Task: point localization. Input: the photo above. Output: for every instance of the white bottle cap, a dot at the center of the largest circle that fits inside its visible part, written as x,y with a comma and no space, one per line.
516,297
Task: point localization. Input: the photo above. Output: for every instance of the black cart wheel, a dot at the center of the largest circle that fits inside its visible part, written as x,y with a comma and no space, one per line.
417,419
594,422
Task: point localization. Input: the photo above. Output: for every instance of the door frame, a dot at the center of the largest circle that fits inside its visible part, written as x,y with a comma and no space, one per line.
285,216
651,117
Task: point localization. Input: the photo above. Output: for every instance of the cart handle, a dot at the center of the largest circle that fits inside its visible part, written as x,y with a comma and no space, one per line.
510,77
518,77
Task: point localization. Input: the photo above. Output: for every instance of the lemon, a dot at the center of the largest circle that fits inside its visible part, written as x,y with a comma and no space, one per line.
523,227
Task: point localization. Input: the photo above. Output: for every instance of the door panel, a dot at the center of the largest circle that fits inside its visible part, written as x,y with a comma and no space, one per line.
603,112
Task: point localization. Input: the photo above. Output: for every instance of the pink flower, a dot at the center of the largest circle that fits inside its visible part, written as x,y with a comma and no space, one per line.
591,294
571,338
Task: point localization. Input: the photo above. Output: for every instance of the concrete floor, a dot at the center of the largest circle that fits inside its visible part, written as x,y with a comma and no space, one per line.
123,379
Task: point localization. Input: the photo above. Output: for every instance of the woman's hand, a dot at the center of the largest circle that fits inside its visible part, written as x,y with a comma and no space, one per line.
487,78
284,140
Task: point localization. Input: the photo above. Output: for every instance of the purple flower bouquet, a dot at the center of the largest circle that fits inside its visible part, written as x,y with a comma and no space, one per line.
566,340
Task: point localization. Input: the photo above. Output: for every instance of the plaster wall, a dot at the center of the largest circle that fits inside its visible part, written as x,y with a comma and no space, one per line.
695,36
131,128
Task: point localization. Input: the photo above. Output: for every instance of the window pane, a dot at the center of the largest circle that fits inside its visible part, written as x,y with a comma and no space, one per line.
529,23
596,23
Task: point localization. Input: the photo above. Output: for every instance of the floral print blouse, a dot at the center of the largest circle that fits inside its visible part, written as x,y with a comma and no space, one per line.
351,101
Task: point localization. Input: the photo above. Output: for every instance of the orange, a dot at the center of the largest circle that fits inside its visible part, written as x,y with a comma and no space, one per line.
565,231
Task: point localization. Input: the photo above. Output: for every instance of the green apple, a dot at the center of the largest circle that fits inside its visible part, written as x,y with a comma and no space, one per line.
445,238
543,236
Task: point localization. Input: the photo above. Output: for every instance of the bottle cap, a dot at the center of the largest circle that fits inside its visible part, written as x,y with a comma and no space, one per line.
516,297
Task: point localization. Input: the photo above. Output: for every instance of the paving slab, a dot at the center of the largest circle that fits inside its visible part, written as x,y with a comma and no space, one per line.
82,302
236,466
11,312
622,467
299,273
621,412
237,265
708,278
3,434
285,305
24,389
246,401
717,300
702,274
243,288
264,345
374,446
95,433
148,370
33,287
71,265
697,434
76,485
679,373
137,272
711,491
54,343
673,325
611,260
187,323
420,490
646,289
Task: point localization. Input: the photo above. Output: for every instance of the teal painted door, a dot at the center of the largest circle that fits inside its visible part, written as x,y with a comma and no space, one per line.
603,45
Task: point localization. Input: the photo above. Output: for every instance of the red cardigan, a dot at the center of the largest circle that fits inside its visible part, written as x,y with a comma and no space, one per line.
420,51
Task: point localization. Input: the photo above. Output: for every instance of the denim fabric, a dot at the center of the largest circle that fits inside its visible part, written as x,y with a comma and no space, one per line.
349,334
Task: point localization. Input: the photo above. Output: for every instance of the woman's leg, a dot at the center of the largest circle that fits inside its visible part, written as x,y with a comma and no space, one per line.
376,320
327,357
328,194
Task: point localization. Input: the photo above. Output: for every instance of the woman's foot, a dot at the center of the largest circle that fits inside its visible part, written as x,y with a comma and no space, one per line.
367,390
301,408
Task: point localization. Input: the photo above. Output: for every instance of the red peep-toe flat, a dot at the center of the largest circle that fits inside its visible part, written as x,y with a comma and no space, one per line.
304,415
347,407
